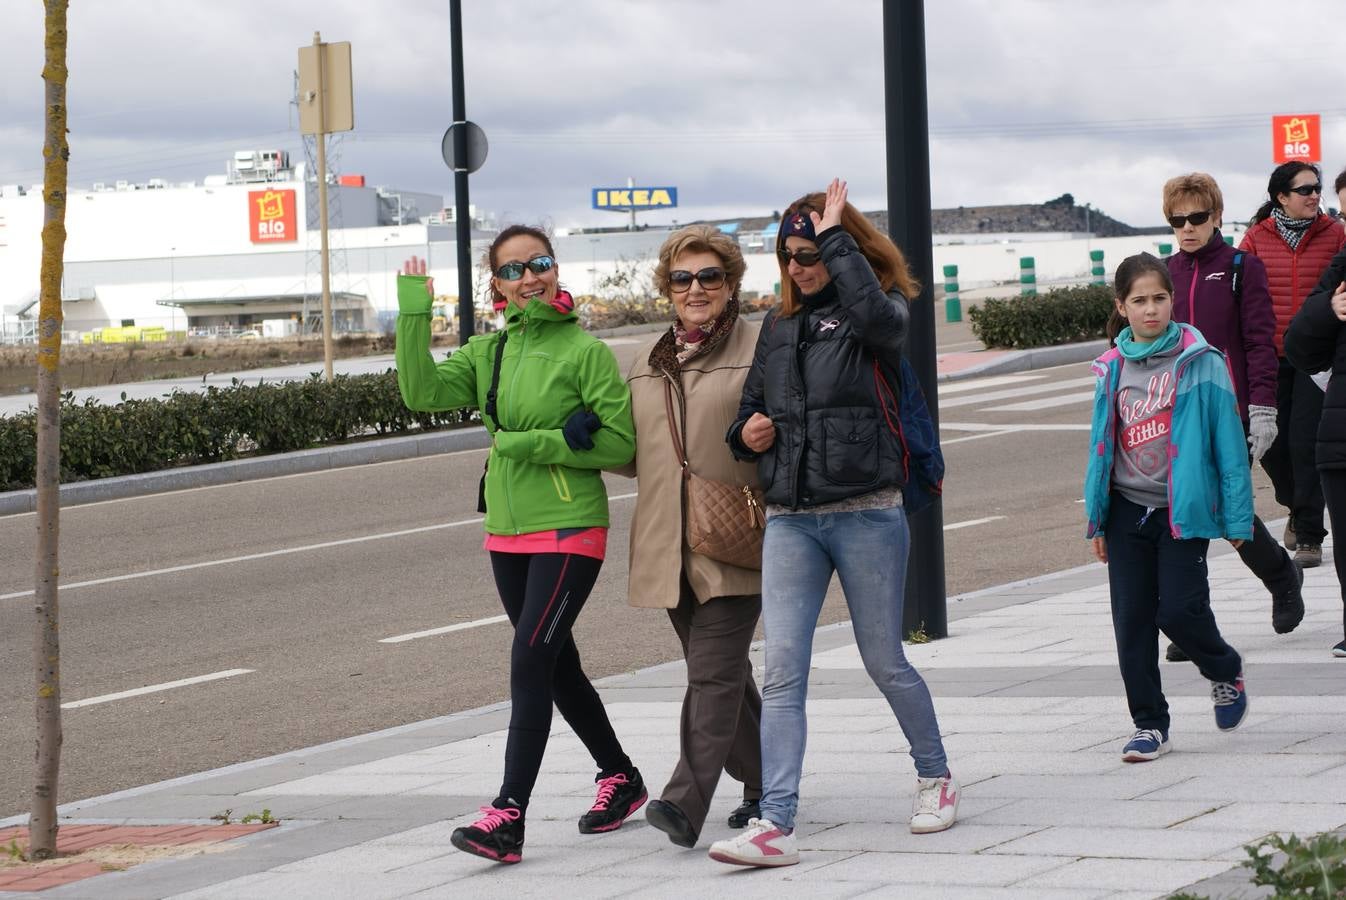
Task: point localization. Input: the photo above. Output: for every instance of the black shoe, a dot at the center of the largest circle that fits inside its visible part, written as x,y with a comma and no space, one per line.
1173,654
1309,556
748,809
1287,605
619,795
672,822
497,835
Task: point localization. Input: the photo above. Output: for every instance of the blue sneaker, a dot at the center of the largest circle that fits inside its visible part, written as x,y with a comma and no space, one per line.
1231,703
1145,745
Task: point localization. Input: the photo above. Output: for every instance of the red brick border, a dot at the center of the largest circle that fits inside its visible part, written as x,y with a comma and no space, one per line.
67,868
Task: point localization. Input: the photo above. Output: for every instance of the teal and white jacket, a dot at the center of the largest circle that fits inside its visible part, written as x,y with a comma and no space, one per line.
1209,477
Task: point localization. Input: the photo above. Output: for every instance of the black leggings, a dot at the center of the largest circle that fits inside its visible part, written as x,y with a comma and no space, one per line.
543,594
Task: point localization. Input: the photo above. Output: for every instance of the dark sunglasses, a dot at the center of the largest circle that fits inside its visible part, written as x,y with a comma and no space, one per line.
1196,218
513,271
1307,190
803,257
710,278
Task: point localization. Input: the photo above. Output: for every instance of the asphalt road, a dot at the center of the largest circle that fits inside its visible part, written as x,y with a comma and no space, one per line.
298,580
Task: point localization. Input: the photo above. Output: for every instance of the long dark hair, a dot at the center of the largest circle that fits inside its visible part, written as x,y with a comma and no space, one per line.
1281,178
1130,269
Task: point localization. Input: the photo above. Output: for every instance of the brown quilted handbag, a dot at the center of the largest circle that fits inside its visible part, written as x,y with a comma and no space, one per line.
724,522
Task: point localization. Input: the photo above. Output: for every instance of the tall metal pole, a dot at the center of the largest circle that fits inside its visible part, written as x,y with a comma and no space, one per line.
322,212
462,217
908,146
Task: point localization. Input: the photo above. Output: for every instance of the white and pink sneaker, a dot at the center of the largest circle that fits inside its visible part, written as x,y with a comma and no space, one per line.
936,805
760,844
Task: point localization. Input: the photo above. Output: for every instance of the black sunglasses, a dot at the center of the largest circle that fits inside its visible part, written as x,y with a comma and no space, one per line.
803,257
710,278
1196,218
513,271
1307,190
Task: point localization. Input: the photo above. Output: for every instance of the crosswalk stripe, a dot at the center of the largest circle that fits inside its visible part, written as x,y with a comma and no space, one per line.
1043,403
1011,393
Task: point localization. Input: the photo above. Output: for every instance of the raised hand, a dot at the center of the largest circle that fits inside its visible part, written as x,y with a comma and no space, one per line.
832,207
416,266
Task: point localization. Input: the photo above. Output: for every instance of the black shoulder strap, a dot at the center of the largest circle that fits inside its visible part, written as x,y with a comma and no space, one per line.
490,408
1236,281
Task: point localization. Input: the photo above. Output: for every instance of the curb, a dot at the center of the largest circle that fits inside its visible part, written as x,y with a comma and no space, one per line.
1036,358
301,461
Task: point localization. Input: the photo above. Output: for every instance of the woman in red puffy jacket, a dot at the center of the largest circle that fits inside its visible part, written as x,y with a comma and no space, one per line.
1296,241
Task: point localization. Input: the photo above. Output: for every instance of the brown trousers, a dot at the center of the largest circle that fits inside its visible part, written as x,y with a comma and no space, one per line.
722,710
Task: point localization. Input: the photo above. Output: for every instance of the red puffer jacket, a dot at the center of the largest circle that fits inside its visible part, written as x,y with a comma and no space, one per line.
1292,274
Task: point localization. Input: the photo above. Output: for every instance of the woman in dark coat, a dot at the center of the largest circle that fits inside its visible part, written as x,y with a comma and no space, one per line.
1314,342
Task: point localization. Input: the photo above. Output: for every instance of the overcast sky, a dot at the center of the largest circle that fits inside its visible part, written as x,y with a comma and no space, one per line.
741,104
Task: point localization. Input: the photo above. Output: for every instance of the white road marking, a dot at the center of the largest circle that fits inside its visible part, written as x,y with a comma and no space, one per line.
976,384
68,510
970,522
975,437
250,556
1011,393
266,554
431,632
1027,426
155,688
1044,403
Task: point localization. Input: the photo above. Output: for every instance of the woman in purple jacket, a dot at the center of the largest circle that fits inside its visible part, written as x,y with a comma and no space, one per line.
1223,292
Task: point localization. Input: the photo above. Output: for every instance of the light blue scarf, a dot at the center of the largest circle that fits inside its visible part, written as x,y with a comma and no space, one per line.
1135,350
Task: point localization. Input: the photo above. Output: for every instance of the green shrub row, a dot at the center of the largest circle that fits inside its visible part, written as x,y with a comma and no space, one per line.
98,441
1058,316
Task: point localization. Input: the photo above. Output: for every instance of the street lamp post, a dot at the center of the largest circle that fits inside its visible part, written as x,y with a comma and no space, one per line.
908,151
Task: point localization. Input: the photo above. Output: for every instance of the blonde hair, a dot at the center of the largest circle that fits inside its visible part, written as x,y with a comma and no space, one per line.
887,261
700,239
1196,187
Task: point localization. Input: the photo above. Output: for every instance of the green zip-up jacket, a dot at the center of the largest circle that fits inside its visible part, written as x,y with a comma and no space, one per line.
550,369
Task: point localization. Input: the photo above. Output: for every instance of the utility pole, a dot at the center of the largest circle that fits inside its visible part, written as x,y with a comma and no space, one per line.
908,145
325,105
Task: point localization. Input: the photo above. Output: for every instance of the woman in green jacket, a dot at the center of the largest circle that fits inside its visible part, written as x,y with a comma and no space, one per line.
559,412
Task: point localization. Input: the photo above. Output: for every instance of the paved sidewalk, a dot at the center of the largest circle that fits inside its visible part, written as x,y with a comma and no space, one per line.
1031,706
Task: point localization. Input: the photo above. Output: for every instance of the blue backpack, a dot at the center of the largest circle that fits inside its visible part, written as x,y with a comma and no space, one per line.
908,417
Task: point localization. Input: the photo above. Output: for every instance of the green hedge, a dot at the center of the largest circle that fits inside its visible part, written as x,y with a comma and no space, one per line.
99,441
1059,316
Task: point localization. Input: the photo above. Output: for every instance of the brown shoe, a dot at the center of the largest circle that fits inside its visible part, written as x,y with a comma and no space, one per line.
1309,556
1288,538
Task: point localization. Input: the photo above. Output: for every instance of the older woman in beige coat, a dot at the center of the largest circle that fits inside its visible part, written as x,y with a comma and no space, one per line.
714,606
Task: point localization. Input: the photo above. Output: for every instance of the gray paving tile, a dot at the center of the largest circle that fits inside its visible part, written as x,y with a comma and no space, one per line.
963,838
948,872
1128,843
1157,877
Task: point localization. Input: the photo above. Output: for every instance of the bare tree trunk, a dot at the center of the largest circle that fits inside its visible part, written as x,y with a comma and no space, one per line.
42,823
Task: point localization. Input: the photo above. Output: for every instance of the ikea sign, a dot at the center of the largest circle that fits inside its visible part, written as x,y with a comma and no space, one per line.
628,199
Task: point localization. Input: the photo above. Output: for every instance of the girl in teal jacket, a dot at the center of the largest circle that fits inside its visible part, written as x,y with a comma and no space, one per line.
1168,471
559,412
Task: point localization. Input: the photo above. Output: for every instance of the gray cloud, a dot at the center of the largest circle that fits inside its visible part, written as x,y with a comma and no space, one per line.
742,105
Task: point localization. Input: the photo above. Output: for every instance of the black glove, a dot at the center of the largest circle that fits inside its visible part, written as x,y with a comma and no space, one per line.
579,428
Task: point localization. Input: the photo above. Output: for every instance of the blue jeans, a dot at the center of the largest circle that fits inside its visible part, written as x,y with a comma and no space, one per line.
868,551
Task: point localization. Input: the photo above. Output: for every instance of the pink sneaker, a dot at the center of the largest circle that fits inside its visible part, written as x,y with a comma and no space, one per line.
760,844
497,835
936,804
618,797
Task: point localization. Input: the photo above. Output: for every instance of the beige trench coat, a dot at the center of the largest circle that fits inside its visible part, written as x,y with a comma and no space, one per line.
713,385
